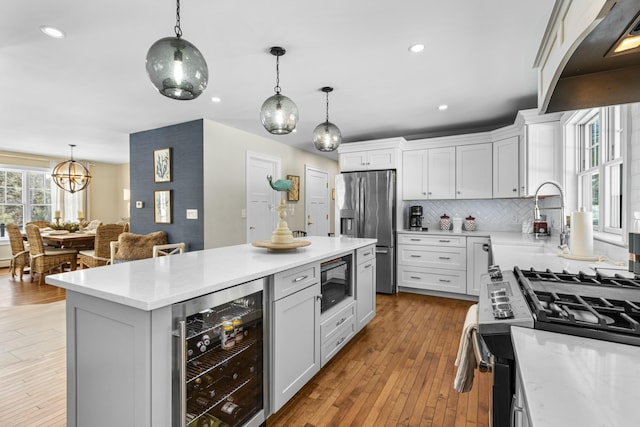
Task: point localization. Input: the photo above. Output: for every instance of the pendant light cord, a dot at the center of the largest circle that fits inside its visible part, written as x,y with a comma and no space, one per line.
177,28
277,88
327,107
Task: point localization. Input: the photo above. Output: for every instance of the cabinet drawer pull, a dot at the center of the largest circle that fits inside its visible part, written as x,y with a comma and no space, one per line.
297,279
340,341
367,266
416,256
416,240
341,321
444,280
366,253
444,257
415,277
444,241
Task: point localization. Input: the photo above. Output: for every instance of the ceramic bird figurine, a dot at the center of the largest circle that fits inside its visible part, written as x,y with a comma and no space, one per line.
280,185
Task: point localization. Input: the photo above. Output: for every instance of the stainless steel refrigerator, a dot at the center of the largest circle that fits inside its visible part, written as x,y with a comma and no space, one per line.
366,207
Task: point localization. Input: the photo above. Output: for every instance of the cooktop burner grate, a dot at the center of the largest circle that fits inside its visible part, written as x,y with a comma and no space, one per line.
582,278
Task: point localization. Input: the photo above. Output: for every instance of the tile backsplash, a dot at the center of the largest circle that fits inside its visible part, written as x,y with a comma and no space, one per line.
490,214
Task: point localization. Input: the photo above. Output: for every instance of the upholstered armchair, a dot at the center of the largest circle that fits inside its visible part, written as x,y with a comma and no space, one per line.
131,246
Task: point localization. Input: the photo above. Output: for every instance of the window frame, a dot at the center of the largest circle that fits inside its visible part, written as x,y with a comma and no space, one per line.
27,190
612,134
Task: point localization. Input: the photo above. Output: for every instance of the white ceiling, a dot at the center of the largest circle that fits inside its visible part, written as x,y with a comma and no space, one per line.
91,88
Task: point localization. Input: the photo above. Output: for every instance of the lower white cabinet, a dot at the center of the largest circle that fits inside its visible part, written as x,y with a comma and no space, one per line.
295,343
336,331
519,411
435,279
365,285
477,262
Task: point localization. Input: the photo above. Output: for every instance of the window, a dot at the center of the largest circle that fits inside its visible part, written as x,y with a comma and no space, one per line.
600,167
25,195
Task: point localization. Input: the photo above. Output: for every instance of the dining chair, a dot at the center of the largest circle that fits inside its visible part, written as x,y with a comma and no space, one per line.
19,254
45,259
101,252
168,249
39,224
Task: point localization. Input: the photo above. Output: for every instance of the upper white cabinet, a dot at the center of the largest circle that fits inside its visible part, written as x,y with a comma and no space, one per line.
369,160
474,171
429,174
370,155
541,152
506,169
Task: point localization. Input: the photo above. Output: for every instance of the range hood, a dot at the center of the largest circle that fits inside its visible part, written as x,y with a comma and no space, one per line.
587,71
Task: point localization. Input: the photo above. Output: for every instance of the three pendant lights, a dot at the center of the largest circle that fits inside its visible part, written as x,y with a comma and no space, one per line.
179,71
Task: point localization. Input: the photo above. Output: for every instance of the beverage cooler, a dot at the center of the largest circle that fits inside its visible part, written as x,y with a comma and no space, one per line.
218,375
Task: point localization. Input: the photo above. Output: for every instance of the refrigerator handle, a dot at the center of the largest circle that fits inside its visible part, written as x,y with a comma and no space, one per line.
182,338
382,251
362,210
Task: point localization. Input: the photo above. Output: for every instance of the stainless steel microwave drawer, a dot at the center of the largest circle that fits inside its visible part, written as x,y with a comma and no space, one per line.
442,240
291,281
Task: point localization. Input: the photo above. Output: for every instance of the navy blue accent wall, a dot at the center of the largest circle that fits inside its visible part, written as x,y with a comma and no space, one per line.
186,143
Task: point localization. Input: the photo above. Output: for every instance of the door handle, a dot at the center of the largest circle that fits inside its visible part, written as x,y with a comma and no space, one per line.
252,228
309,223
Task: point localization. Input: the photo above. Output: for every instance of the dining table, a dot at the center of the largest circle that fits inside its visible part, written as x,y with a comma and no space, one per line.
69,240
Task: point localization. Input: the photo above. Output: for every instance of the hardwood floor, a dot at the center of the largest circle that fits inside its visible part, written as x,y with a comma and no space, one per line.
397,372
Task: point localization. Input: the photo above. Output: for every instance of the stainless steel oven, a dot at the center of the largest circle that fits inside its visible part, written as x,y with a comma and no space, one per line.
587,305
336,281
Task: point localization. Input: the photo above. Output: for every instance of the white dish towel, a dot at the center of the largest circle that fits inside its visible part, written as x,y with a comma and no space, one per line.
466,359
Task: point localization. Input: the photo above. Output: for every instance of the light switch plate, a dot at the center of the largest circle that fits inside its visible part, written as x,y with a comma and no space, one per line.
139,204
192,213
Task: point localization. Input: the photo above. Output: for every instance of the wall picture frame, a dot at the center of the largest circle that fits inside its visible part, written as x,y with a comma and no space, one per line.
162,206
162,165
293,195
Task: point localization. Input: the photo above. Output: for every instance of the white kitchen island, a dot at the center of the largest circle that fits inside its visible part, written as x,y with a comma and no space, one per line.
119,329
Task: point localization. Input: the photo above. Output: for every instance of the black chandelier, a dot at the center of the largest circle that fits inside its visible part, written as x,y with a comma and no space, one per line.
327,136
279,114
176,67
71,176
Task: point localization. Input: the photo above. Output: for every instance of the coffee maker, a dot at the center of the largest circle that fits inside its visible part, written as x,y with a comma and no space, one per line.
415,218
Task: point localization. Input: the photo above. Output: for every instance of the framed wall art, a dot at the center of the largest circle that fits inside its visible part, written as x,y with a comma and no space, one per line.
162,165
293,195
162,206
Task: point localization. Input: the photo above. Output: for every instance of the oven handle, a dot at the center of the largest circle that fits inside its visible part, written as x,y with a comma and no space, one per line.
483,356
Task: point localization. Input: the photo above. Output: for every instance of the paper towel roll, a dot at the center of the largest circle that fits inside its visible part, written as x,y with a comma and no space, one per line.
581,238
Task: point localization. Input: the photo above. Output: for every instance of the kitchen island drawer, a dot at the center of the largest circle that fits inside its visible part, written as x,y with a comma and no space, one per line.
434,279
291,281
422,239
339,339
365,254
330,326
433,257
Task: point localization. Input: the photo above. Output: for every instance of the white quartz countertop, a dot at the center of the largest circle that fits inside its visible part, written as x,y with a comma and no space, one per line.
158,282
512,249
574,381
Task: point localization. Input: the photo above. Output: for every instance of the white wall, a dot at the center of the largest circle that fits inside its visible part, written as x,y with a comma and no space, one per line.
224,180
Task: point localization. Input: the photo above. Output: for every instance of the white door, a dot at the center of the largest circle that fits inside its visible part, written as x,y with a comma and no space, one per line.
261,218
316,205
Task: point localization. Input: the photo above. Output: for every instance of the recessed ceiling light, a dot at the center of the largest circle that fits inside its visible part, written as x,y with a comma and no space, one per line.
415,48
52,32
215,99
443,107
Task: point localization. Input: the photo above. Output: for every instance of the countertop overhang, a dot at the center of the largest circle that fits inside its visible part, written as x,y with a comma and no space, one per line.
153,283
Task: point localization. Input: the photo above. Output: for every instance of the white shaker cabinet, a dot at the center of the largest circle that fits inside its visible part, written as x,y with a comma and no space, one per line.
429,174
506,169
365,285
295,338
369,160
474,171
478,253
542,156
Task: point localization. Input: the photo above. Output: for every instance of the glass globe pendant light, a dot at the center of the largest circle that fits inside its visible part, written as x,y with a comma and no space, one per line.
279,114
71,176
327,136
176,67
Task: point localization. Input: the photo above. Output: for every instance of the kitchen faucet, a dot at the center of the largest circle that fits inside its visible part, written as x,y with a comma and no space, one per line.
564,235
